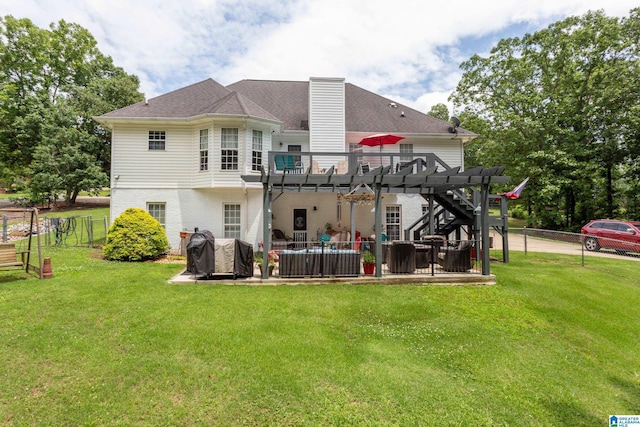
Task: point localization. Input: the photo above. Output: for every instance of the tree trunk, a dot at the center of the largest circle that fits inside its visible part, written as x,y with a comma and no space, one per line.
609,186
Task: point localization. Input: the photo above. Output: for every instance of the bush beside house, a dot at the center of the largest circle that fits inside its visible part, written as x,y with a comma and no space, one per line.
135,236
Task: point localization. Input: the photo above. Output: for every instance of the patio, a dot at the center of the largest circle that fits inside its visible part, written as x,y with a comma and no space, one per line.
449,279
343,173
420,277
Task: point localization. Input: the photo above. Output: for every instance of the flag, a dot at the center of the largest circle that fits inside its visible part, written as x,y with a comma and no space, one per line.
515,193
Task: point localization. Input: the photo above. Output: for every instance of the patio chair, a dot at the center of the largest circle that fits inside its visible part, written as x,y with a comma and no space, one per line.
287,164
340,240
402,257
456,259
280,241
404,168
342,167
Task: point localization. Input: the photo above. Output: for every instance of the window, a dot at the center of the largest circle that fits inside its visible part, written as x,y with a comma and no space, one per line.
354,147
157,139
204,149
229,154
392,222
158,211
256,150
406,148
231,221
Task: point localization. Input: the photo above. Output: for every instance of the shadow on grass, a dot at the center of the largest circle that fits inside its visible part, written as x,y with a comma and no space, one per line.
13,277
631,390
569,413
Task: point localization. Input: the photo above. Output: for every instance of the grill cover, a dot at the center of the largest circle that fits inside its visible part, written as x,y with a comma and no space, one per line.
201,253
207,255
234,256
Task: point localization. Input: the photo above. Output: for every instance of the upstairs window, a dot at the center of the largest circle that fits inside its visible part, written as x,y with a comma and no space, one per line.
204,149
256,150
229,151
231,221
354,147
408,149
157,139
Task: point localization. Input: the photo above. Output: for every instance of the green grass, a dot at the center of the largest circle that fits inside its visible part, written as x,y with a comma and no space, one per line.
80,211
512,222
103,193
106,343
8,196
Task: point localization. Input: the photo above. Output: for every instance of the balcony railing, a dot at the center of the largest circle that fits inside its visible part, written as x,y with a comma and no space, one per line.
350,163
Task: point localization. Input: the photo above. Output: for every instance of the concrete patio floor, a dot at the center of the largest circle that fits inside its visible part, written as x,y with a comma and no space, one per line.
449,279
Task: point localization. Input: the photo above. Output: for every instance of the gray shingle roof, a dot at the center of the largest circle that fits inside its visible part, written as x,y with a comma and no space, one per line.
365,110
370,112
287,100
283,101
206,97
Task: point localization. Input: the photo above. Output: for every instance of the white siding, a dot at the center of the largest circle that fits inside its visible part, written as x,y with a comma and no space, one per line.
188,209
138,167
327,116
451,152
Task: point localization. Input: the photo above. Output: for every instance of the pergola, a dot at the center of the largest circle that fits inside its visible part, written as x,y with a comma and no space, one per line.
426,180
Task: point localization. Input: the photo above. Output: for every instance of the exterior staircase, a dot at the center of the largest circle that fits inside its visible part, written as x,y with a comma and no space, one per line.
453,210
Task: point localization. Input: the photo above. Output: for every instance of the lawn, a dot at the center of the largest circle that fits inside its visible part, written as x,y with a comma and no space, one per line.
103,193
106,343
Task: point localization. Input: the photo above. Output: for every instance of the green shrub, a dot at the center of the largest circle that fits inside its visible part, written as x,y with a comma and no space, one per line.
519,212
135,236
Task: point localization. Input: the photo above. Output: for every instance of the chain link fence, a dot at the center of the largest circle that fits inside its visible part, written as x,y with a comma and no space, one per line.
75,231
54,231
625,246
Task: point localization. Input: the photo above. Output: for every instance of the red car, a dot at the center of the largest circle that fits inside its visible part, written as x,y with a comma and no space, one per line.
623,236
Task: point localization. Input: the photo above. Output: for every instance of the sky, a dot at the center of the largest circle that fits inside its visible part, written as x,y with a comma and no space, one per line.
409,51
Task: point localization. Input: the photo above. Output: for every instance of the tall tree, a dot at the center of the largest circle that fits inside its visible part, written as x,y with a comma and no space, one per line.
557,103
64,163
52,81
439,111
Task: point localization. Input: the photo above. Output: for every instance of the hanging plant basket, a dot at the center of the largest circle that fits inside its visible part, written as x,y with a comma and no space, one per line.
361,198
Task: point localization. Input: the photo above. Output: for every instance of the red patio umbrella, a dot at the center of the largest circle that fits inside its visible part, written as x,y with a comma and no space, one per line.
380,139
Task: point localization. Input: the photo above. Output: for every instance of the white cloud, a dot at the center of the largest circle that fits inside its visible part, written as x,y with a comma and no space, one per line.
408,50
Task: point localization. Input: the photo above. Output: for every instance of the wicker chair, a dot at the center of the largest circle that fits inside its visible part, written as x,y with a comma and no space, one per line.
280,241
456,259
402,257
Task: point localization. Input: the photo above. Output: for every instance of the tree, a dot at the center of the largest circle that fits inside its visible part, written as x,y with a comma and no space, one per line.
52,82
63,163
440,111
560,106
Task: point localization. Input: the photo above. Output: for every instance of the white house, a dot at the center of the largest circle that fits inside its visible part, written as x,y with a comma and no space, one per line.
182,155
